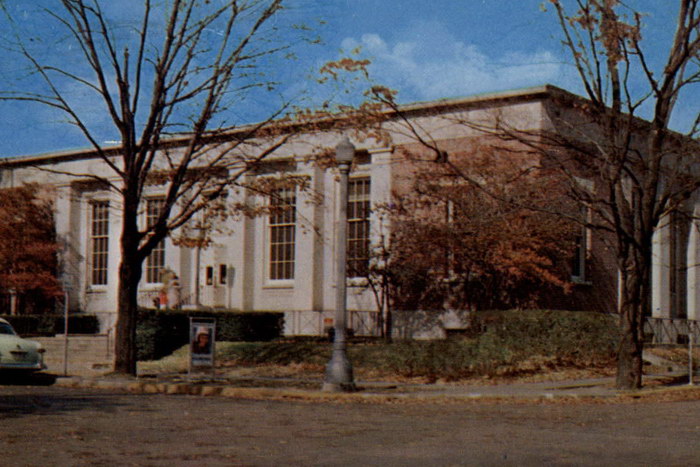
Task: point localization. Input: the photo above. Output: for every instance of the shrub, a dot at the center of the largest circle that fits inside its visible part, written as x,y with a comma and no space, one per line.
511,342
449,359
24,325
568,336
159,333
77,324
277,353
249,326
509,339
52,324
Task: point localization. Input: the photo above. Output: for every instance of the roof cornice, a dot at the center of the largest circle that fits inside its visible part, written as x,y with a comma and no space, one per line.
414,109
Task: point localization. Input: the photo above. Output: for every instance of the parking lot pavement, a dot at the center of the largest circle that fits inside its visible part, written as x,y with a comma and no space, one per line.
51,425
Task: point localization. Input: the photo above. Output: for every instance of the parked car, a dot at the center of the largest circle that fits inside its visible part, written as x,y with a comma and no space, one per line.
17,353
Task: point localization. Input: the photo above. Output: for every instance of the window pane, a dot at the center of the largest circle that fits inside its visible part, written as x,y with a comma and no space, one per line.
282,234
358,227
99,242
155,262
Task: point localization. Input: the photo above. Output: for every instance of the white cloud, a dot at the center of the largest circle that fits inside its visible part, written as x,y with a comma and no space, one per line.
436,65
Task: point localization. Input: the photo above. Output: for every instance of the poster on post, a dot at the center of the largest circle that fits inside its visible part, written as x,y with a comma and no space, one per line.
202,342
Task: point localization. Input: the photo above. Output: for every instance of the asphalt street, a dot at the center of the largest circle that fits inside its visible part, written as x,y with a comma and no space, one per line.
46,426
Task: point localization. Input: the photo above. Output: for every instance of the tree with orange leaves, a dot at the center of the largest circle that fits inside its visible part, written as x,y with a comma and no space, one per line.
28,248
456,246
485,249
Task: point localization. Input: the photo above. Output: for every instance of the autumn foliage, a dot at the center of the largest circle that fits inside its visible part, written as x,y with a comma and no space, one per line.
28,247
476,232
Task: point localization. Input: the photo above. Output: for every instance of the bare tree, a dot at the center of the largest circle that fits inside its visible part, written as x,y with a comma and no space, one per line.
168,81
641,171
629,174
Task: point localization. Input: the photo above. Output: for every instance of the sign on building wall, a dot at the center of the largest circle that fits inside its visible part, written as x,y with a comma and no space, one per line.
202,342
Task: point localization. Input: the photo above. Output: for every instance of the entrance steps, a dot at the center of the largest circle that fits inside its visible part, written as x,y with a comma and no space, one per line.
87,355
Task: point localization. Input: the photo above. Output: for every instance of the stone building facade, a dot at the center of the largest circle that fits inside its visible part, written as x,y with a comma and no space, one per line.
285,263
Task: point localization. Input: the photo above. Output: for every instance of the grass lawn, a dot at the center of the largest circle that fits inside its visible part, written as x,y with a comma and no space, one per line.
531,344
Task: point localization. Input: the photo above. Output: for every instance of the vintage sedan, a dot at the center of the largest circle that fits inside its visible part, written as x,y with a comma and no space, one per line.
17,353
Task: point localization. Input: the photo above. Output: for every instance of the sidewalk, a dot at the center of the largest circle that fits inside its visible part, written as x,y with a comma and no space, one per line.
310,390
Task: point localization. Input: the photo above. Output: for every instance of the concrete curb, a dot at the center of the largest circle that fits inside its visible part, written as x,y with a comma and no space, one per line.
208,390
369,394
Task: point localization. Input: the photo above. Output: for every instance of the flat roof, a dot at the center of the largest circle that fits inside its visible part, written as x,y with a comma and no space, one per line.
476,100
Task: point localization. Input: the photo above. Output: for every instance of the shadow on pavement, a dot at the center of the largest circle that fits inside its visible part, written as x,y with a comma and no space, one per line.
23,393
23,378
19,405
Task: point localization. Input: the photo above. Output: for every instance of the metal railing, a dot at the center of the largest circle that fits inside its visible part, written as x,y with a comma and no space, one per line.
316,323
365,323
672,330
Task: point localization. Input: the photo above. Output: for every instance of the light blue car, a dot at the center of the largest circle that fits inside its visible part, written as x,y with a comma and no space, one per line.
17,353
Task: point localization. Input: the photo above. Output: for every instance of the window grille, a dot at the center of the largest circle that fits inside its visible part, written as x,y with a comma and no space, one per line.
99,240
155,262
282,234
358,227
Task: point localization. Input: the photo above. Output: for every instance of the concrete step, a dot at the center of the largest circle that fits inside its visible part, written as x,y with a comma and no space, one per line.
86,355
662,364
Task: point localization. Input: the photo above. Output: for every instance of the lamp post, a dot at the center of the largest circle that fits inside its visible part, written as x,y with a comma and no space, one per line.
198,265
339,371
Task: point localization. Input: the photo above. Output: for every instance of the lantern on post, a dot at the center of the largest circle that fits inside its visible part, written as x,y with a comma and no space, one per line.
339,370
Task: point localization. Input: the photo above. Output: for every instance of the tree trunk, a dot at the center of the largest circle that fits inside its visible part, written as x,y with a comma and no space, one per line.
387,318
388,325
130,271
629,356
635,290
127,312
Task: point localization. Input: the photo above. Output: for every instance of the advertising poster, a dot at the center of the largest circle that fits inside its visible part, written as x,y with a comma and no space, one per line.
202,342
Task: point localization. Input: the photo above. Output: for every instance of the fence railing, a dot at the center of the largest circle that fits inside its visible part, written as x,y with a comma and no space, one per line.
316,323
672,330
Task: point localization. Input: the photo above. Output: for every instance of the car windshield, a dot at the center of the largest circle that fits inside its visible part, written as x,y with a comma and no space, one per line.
6,329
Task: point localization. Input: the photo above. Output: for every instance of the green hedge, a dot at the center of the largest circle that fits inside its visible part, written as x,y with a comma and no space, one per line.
507,341
159,333
51,324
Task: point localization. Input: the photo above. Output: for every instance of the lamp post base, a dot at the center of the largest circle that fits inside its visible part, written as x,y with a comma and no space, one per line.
339,374
338,387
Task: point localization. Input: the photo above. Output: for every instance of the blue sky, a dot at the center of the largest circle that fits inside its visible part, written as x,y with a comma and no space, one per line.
424,49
